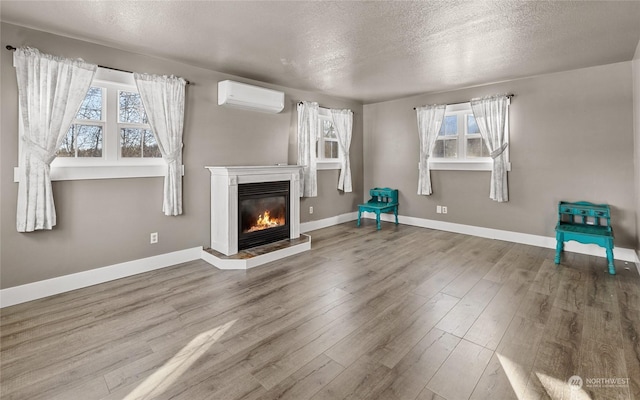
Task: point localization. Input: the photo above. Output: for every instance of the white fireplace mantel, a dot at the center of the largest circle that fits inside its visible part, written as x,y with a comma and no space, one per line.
224,200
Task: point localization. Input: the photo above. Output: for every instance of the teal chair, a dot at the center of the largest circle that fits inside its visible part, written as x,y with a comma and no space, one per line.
383,200
586,223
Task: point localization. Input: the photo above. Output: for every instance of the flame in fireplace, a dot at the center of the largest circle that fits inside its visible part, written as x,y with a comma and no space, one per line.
265,221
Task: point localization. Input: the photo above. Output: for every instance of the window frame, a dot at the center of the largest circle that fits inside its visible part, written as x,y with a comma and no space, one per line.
111,165
322,163
461,110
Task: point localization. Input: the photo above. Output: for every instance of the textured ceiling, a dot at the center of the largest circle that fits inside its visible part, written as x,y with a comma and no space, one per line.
368,51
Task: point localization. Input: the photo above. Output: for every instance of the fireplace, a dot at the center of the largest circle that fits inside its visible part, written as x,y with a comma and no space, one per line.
263,210
253,205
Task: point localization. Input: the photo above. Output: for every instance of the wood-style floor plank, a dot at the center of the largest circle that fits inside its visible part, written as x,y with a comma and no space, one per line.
363,379
419,365
404,313
516,354
603,360
630,325
378,332
494,382
491,324
464,367
464,314
307,381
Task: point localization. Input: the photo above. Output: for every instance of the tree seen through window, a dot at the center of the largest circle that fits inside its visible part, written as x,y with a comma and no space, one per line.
136,138
85,136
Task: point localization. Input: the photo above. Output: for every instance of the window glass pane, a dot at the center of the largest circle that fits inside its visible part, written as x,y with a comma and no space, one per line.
327,129
136,142
449,126
131,108
476,148
446,148
131,142
330,149
67,148
82,141
91,107
472,126
89,141
438,150
150,148
450,148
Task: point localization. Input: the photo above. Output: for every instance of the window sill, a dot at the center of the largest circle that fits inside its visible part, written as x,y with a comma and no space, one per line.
462,165
322,165
67,173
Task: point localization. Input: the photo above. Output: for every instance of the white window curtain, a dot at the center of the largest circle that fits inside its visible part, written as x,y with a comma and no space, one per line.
429,122
163,100
307,138
50,92
343,125
490,114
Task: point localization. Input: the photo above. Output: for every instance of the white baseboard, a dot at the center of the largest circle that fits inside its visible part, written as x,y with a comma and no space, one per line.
509,236
327,222
36,290
49,287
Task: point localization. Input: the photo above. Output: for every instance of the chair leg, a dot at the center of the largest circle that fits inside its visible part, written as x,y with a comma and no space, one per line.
559,247
612,268
359,212
378,220
395,212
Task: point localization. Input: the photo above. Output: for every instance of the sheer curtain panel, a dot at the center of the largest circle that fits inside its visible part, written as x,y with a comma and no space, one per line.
343,124
307,138
163,100
491,114
50,92
429,122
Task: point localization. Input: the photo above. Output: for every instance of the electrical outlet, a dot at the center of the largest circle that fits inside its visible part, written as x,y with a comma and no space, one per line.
310,209
153,238
444,209
439,209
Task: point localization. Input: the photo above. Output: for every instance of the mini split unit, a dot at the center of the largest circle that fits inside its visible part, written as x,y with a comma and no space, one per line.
249,97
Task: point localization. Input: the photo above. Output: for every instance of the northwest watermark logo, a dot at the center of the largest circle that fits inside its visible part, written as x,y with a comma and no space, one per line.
576,382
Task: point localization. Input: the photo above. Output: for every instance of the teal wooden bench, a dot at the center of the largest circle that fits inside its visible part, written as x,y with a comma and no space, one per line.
383,200
586,223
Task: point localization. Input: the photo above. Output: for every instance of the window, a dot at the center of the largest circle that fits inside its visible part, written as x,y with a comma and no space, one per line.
95,121
459,144
327,155
110,136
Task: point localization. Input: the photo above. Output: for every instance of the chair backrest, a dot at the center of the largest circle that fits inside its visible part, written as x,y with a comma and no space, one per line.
384,195
584,213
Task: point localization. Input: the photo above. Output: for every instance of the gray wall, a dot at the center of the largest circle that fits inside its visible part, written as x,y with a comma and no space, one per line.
571,139
104,222
636,125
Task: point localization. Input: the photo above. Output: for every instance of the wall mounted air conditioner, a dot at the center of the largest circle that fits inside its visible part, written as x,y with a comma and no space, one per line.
249,97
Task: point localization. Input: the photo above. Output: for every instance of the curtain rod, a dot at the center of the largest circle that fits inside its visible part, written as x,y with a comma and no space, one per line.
9,47
462,102
319,106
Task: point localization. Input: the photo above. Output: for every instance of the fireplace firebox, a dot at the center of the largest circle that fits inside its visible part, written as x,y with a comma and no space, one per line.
263,213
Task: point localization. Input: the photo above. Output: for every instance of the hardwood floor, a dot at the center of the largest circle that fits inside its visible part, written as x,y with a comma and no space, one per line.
401,313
